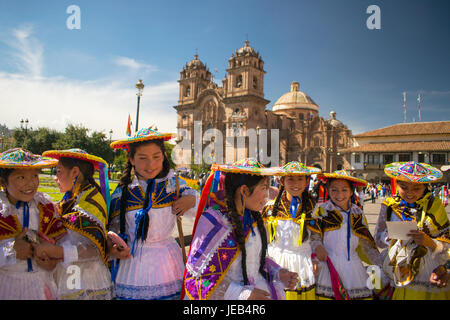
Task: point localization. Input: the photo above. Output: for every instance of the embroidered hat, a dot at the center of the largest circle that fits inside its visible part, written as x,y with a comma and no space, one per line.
342,174
244,166
144,134
98,163
413,172
19,158
295,168
75,154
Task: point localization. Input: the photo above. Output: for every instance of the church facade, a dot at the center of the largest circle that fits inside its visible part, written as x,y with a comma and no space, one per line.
237,111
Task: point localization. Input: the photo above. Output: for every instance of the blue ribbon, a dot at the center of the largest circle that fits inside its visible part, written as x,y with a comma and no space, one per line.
406,204
248,220
25,224
215,185
294,206
348,235
143,213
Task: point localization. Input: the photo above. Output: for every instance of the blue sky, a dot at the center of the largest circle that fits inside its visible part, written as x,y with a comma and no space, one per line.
54,76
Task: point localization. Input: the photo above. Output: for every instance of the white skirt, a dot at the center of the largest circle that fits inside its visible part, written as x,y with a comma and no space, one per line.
155,272
298,261
84,280
352,273
23,285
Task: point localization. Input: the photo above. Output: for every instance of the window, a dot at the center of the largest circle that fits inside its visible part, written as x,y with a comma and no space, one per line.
255,83
301,116
239,81
187,93
404,157
357,158
421,157
372,158
438,158
388,158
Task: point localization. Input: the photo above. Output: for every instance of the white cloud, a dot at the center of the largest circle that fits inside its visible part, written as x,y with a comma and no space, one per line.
27,53
56,102
97,104
134,65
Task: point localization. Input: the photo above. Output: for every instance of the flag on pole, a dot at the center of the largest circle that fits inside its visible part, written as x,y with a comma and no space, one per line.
129,126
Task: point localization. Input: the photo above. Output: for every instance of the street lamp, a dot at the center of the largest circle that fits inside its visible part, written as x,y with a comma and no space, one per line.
140,87
257,143
26,124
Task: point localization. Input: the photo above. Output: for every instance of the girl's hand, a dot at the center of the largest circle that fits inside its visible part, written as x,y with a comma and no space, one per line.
47,250
258,294
422,239
116,250
183,204
23,248
321,253
289,278
440,277
46,262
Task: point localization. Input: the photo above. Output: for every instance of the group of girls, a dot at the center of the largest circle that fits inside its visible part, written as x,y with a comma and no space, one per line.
292,248
93,245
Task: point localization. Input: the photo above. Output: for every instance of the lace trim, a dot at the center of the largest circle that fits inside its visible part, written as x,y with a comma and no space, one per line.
101,294
160,291
327,292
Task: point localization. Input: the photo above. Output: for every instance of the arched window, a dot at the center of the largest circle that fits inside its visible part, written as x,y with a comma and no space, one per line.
187,93
255,83
239,81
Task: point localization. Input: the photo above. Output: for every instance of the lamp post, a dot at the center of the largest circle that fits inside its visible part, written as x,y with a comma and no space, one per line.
257,143
26,125
140,87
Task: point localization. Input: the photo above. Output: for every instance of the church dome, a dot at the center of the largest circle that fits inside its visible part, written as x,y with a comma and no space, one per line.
295,99
246,50
195,63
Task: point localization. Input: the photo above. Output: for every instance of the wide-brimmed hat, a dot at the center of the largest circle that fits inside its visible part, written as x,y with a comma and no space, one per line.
99,164
295,168
145,134
244,166
413,172
19,158
75,154
342,174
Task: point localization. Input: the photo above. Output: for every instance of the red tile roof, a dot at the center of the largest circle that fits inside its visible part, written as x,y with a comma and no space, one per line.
401,147
414,128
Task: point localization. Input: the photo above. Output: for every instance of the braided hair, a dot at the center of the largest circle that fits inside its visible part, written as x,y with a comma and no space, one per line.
232,182
127,178
87,169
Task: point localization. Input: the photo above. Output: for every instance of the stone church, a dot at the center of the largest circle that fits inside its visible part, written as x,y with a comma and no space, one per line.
238,107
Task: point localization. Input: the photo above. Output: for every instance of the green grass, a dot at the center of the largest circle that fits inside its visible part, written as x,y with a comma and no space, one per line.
48,186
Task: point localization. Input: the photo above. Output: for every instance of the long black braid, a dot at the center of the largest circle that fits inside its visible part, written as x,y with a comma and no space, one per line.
232,183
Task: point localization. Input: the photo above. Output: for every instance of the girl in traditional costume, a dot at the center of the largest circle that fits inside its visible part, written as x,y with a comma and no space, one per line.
341,240
84,213
26,218
144,210
287,218
410,262
227,258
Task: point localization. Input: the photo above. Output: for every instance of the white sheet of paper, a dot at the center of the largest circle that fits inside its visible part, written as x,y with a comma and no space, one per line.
400,229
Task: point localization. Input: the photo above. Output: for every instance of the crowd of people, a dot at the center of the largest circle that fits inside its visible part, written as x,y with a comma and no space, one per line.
305,239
